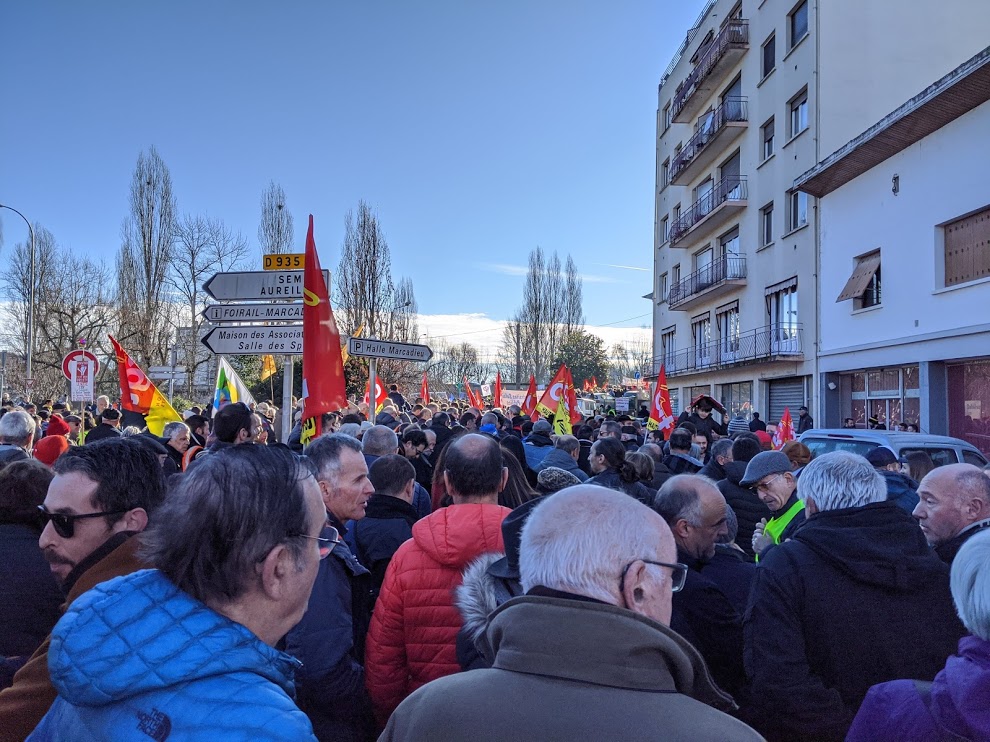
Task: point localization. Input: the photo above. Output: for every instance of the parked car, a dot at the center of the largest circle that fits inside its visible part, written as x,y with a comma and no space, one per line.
942,449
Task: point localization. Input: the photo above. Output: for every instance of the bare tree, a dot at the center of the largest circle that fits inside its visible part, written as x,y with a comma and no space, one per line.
203,246
363,287
276,231
147,237
573,309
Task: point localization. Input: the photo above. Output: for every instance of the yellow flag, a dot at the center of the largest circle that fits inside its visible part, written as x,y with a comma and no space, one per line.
562,418
267,367
344,355
160,412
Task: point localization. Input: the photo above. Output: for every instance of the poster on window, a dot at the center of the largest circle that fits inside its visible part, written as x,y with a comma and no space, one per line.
81,381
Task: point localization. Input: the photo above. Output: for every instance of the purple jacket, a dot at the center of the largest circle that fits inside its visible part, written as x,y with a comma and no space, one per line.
956,709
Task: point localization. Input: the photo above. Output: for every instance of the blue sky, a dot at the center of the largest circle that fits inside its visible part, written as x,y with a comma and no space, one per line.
476,130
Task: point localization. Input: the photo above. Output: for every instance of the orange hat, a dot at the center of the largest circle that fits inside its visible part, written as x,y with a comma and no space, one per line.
50,448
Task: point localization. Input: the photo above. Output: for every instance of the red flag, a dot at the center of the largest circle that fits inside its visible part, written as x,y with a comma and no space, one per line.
661,414
323,371
551,395
594,383
497,397
381,396
785,430
528,406
424,390
571,399
475,400
138,394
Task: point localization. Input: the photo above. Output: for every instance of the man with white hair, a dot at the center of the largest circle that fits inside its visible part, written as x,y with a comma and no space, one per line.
856,597
586,653
380,440
954,504
953,706
16,436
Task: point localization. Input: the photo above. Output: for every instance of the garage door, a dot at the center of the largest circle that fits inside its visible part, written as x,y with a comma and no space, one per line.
785,393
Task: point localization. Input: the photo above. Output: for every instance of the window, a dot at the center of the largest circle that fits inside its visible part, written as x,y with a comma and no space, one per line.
797,215
782,306
701,335
668,348
798,107
967,248
766,133
863,286
769,55
675,216
675,275
766,225
665,173
666,116
662,289
727,318
664,229
737,398
798,24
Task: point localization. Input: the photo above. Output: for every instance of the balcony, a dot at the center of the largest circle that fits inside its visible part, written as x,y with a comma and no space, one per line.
711,211
718,130
722,54
715,279
768,344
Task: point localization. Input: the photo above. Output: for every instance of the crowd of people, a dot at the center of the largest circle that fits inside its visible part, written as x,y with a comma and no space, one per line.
453,573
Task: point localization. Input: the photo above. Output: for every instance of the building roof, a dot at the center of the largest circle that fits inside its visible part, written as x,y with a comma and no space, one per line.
960,91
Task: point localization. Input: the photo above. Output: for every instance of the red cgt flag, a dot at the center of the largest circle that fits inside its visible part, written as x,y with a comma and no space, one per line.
497,396
785,430
381,396
570,396
551,395
424,390
661,414
528,406
323,371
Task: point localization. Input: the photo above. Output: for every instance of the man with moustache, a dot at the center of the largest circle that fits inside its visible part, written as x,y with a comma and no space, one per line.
102,494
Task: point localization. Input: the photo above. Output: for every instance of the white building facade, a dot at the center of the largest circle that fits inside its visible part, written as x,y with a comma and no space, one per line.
904,211
734,296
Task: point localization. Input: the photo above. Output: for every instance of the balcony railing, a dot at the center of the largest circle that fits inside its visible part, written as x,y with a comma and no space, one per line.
734,35
764,344
732,109
719,271
732,188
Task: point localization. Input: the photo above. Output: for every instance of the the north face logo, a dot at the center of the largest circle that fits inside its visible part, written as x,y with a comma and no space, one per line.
156,725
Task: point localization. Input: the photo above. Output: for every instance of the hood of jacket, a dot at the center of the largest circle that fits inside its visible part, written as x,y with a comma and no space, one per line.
600,644
140,633
899,485
560,459
475,596
959,693
735,471
540,440
877,544
456,534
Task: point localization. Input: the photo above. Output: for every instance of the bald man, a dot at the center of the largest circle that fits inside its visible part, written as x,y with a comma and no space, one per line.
587,652
954,503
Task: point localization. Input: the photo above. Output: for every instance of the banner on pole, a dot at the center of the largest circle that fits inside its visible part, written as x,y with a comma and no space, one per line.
81,381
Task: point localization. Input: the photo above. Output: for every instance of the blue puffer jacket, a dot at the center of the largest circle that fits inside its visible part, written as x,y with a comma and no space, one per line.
138,659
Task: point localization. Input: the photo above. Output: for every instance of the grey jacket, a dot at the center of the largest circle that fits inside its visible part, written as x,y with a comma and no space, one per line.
568,669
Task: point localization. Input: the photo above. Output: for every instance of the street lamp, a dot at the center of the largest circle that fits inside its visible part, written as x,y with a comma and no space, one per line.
28,378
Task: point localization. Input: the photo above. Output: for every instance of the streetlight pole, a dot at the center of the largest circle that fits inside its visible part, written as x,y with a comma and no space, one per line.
28,378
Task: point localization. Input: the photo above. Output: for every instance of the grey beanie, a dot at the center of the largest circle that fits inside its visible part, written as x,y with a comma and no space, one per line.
553,478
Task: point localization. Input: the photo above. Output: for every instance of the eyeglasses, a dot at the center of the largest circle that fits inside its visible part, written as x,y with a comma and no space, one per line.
65,524
326,543
678,574
765,486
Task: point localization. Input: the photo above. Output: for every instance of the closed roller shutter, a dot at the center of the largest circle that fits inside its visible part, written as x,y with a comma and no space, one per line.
785,393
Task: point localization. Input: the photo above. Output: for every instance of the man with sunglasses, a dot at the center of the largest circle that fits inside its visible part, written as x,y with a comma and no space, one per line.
587,652
329,640
102,494
702,613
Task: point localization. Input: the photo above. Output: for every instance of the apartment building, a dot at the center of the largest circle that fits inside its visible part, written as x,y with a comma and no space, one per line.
905,262
734,293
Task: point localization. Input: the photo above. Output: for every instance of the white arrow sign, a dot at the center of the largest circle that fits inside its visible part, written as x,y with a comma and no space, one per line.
258,285
255,340
388,349
285,312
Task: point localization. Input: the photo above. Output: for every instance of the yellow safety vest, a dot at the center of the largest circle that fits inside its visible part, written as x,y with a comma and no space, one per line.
775,526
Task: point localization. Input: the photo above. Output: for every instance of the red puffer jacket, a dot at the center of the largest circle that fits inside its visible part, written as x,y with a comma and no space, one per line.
415,623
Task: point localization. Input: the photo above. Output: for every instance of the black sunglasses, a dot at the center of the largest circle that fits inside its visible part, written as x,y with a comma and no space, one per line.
65,524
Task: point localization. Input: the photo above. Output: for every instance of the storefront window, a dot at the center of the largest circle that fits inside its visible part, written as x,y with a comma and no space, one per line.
737,398
859,382
694,391
891,395
969,403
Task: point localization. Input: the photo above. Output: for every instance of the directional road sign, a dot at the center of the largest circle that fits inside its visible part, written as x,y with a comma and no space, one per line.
255,340
284,312
388,349
258,285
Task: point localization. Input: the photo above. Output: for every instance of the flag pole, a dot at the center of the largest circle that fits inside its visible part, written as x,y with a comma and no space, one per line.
287,410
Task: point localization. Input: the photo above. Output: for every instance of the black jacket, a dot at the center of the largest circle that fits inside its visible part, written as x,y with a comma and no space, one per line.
678,464
855,598
804,423
101,432
660,475
713,470
613,480
704,615
386,525
9,453
705,426
747,506
947,550
757,424
329,641
733,572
